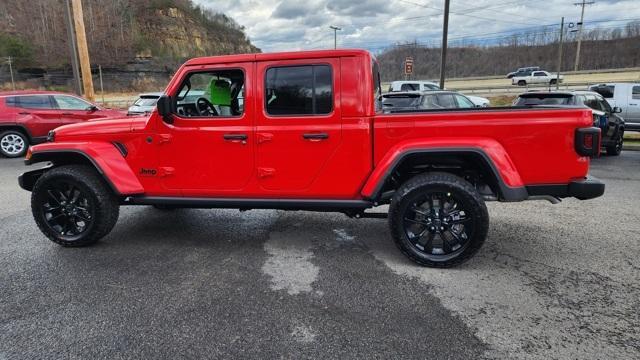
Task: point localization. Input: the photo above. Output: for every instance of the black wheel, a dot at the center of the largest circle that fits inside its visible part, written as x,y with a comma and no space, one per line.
438,220
522,83
553,82
73,206
616,148
13,143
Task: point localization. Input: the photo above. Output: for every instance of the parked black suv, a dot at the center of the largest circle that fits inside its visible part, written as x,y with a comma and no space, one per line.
604,116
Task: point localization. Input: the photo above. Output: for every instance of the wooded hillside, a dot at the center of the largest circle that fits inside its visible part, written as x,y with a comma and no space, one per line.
601,49
34,32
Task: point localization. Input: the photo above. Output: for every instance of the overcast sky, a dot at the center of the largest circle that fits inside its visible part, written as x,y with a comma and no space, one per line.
275,25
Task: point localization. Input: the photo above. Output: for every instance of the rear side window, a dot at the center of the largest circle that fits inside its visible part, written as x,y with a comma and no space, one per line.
636,93
410,87
605,90
446,101
10,101
299,90
34,102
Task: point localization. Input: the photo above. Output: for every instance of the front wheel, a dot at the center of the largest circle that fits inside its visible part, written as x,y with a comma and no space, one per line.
13,143
73,206
438,220
522,83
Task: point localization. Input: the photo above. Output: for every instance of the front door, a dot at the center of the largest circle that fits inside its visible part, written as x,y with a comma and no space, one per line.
633,110
209,148
298,124
74,110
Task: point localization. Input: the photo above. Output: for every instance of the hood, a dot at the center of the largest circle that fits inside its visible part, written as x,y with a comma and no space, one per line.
102,127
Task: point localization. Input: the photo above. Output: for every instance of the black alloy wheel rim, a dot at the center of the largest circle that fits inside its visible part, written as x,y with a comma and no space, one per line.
438,224
67,209
619,144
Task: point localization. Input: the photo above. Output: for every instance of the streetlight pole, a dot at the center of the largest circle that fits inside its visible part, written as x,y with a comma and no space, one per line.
445,33
560,55
335,35
13,83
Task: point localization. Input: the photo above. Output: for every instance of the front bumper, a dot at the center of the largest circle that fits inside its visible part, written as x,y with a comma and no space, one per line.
587,188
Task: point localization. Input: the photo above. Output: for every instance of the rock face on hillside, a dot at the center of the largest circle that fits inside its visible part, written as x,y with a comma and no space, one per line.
163,33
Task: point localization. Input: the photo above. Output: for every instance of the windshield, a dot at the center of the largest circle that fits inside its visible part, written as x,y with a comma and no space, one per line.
146,101
543,100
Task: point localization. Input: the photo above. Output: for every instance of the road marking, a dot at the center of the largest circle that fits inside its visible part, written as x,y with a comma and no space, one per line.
289,264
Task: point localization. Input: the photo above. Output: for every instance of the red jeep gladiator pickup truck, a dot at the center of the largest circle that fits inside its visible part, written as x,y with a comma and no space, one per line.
305,131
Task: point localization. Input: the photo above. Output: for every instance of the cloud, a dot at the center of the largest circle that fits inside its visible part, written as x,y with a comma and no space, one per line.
275,25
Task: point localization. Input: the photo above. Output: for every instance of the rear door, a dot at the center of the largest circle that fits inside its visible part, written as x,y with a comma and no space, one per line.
37,113
298,122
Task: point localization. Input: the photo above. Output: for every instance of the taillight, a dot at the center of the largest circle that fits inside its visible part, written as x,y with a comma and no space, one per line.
587,141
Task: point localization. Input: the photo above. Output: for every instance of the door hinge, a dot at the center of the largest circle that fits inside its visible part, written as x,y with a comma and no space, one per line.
266,172
165,171
264,137
164,138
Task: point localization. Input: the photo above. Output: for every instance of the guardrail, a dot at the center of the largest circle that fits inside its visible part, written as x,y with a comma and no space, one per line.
514,89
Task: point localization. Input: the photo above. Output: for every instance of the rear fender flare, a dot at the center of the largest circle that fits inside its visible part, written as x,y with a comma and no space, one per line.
104,156
510,185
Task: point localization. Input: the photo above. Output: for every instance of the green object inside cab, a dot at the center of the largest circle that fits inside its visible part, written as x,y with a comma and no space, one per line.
220,91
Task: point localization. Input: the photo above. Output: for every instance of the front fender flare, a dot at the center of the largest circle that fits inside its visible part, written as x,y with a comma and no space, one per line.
510,184
104,156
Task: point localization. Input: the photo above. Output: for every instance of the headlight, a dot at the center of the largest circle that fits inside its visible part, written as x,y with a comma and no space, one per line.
51,136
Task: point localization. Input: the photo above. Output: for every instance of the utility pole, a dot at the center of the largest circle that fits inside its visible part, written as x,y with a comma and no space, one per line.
13,83
335,35
445,33
581,24
83,50
73,51
560,55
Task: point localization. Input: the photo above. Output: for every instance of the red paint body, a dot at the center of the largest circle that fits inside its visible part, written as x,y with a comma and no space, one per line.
191,158
37,122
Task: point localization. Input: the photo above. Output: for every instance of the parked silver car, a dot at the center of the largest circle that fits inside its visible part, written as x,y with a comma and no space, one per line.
145,104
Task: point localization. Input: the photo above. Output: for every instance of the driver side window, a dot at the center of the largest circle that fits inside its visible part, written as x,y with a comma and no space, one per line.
211,94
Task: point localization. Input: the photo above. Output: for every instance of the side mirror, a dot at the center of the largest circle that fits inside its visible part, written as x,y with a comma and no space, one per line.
164,108
617,110
92,108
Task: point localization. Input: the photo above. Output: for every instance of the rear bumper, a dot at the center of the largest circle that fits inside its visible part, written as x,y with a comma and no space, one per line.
587,188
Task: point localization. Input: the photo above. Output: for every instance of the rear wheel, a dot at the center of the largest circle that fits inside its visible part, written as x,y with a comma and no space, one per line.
438,220
73,206
13,143
616,148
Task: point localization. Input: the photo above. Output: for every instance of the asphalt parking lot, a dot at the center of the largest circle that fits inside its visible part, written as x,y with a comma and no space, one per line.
552,282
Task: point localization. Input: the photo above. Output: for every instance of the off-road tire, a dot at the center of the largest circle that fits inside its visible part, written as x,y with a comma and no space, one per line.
14,133
616,148
425,183
103,202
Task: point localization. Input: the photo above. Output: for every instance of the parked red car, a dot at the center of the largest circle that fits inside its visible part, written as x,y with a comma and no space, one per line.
26,117
309,134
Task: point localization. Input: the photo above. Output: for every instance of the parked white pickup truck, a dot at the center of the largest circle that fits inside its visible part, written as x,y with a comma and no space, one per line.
626,96
536,77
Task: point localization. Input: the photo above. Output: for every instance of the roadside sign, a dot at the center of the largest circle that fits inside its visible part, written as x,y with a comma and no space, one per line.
408,66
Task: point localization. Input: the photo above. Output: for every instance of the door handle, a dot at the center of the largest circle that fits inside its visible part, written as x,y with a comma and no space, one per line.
236,137
67,113
315,136
24,113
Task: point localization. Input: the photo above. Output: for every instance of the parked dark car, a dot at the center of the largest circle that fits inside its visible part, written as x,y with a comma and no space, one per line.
604,116
524,71
425,100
